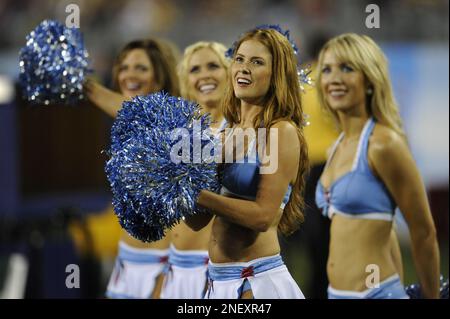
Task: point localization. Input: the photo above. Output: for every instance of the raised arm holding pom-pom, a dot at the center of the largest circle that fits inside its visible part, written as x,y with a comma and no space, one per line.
107,100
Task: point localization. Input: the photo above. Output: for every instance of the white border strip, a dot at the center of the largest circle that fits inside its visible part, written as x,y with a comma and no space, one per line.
370,215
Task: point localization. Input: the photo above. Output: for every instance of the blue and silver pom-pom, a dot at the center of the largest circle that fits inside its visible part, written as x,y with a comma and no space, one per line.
443,291
53,64
304,76
156,167
414,290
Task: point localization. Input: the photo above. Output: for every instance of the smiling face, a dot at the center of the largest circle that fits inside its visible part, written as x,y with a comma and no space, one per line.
251,71
343,87
206,77
136,74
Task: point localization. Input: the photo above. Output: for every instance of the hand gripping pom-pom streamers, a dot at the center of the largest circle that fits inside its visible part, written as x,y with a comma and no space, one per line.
53,64
154,182
414,290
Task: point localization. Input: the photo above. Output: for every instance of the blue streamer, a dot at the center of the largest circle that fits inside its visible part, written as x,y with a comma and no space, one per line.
150,191
53,64
414,290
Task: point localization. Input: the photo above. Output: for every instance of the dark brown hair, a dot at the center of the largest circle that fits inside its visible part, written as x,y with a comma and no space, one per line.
164,57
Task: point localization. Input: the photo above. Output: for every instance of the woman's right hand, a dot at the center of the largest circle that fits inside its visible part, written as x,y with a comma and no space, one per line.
104,98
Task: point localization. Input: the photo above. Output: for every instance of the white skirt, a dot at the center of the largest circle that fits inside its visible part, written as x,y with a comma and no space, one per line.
135,272
268,278
186,276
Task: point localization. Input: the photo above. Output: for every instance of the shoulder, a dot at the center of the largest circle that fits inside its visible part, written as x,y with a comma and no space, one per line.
286,135
386,143
285,127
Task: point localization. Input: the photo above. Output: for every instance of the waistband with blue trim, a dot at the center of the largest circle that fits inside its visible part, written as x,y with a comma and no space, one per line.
390,288
142,255
230,271
330,210
187,259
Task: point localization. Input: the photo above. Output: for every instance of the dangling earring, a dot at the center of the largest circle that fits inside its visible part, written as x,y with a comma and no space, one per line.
369,91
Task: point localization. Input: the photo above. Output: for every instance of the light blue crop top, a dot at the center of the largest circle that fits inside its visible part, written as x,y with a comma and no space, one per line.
241,179
358,193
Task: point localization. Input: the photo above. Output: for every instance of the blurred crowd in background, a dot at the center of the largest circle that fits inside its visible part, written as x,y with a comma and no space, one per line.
53,190
109,24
